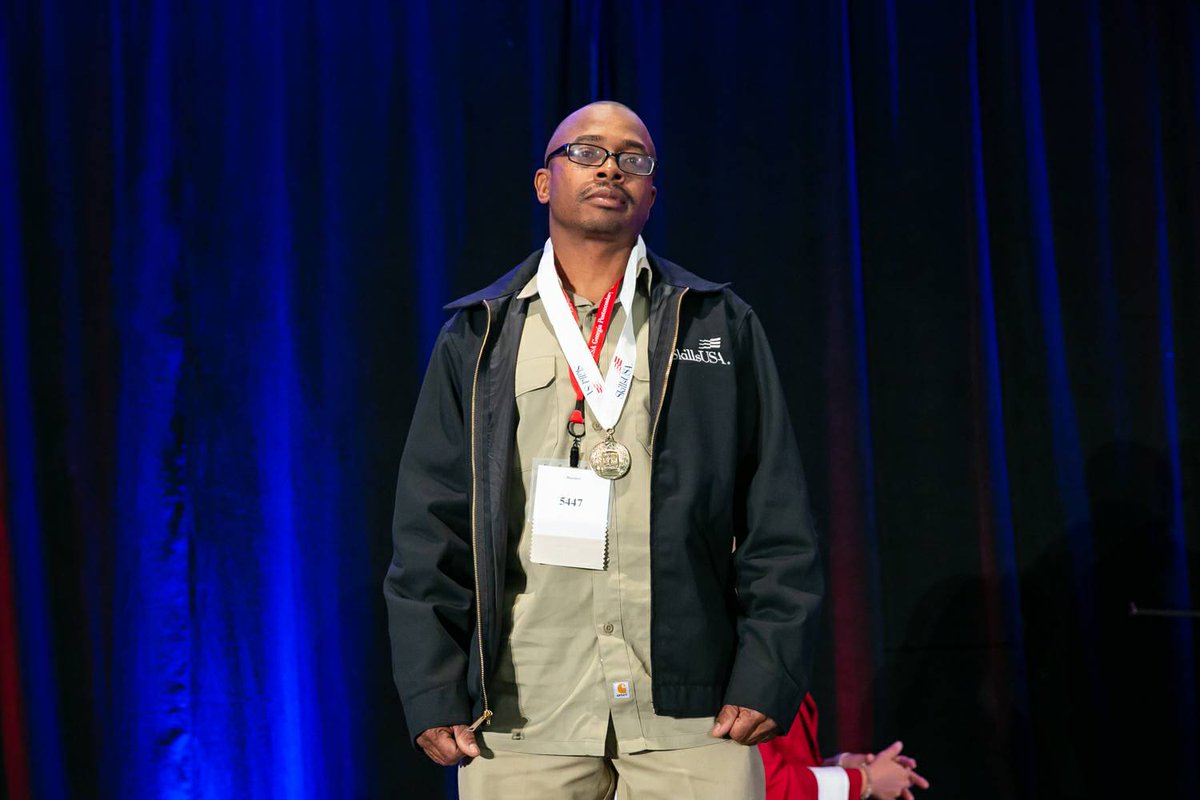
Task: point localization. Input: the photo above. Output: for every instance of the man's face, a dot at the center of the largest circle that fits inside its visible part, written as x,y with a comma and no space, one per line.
598,202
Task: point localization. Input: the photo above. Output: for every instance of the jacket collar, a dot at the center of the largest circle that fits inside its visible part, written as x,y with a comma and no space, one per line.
664,271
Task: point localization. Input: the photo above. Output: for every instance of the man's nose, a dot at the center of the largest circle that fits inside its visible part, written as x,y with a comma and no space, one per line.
613,172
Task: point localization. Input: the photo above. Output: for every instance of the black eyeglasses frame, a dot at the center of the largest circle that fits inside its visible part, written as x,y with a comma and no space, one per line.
564,150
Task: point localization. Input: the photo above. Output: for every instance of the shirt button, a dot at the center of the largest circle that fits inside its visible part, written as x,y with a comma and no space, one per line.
608,627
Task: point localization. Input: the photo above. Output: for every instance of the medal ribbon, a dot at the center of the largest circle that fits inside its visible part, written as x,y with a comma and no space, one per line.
605,395
599,333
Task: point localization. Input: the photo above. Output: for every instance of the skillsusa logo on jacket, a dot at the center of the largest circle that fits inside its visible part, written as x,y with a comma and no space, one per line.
706,351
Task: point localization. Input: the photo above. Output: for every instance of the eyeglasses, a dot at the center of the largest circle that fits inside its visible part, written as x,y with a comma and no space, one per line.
593,155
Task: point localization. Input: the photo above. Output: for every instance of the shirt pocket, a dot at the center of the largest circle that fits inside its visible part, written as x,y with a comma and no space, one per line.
538,414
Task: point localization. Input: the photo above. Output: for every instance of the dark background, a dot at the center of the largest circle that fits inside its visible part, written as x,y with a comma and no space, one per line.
226,232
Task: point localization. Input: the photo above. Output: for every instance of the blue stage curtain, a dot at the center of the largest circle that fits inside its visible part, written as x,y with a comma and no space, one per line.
227,230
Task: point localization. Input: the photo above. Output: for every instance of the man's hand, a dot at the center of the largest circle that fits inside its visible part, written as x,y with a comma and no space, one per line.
448,745
744,725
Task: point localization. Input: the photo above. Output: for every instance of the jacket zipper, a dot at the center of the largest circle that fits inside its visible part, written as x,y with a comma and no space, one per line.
667,377
486,716
662,398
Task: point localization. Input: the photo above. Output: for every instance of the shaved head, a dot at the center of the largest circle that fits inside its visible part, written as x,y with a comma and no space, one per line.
597,201
579,123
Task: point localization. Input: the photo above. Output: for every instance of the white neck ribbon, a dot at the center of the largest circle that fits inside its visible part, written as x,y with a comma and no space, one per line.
605,394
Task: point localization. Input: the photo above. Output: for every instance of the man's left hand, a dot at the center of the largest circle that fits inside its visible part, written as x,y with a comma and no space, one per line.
744,725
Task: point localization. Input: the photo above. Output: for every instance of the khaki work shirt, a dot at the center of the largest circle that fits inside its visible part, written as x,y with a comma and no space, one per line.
576,648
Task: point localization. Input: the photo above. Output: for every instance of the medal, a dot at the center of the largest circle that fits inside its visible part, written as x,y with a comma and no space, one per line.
610,459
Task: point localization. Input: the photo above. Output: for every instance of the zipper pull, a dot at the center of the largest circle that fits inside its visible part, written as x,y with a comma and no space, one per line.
486,717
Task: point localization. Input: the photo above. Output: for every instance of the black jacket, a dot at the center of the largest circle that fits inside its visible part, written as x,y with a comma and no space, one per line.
727,625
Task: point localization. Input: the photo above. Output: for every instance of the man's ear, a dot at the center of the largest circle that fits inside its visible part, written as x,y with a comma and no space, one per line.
541,185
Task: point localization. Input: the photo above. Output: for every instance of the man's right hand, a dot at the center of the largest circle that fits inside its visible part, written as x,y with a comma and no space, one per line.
449,744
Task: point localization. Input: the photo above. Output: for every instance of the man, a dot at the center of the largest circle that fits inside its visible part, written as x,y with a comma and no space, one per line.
601,538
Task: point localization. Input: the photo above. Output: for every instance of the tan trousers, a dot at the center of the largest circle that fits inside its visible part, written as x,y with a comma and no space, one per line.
724,770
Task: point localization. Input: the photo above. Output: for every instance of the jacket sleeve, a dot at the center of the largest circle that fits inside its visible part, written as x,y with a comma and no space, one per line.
429,586
778,573
792,764
791,782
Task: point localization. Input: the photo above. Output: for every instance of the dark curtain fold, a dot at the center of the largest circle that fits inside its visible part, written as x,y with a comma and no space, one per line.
226,233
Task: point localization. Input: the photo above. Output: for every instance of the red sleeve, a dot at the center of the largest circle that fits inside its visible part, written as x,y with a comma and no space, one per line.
799,746
790,782
856,783
786,758
786,761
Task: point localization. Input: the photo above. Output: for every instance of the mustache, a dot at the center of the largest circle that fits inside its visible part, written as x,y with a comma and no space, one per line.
605,186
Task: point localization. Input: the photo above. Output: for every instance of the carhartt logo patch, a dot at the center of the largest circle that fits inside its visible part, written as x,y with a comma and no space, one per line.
620,690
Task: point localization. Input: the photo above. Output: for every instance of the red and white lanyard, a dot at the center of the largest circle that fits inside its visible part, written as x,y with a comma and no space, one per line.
605,395
604,314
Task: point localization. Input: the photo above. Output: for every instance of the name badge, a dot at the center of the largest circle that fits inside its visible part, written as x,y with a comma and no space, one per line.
570,517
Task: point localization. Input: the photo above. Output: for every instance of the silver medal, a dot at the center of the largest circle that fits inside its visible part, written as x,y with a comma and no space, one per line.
610,459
